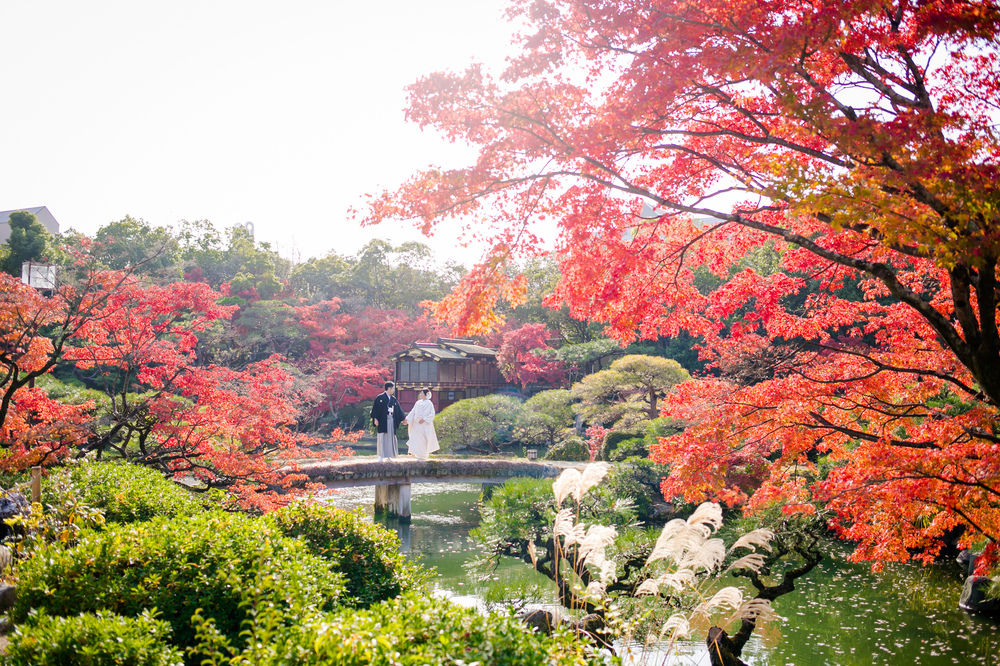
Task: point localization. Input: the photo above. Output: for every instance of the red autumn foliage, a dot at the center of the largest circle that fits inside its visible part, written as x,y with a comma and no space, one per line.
595,439
522,357
235,429
349,352
859,142
41,431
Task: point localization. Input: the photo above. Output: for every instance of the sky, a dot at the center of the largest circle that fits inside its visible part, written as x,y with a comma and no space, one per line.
281,114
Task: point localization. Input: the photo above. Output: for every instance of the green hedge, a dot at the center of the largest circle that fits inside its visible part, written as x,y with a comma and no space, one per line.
104,639
570,448
176,566
367,554
625,448
412,630
127,492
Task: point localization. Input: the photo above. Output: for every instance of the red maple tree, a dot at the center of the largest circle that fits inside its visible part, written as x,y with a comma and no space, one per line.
226,428
34,330
349,352
857,140
223,427
523,356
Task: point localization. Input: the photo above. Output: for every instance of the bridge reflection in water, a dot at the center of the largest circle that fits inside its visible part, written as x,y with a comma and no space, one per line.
444,513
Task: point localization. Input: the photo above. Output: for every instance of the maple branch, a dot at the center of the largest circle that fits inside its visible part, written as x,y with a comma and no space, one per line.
862,66
979,433
982,530
910,371
858,434
879,270
898,413
916,475
769,140
951,480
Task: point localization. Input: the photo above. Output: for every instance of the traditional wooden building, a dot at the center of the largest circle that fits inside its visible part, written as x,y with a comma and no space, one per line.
453,368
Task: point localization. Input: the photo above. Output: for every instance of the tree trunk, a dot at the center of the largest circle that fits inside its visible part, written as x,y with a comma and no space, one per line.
722,650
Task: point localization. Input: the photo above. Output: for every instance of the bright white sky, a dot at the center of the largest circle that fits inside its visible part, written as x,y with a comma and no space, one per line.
279,113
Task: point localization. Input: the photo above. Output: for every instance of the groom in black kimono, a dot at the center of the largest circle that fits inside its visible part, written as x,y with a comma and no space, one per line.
386,415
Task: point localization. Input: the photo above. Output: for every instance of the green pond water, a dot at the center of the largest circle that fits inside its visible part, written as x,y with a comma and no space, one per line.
840,614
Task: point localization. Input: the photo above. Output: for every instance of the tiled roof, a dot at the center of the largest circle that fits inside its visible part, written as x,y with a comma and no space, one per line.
438,353
466,346
446,349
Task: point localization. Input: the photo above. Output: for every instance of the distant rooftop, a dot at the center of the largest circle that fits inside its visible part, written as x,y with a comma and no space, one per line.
450,349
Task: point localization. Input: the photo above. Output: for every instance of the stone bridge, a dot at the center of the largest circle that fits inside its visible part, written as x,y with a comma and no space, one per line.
392,479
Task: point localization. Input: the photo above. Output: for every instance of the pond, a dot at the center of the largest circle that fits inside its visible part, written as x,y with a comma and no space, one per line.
841,614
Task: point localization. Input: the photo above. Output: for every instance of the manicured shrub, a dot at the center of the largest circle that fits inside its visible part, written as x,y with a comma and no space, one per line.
630,447
177,566
104,639
367,554
481,424
127,492
622,437
411,630
570,448
634,441
545,418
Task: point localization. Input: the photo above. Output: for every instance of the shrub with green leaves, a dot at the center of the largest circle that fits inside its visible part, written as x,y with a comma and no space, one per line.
481,424
623,438
126,492
71,392
639,479
177,566
64,517
367,554
521,512
409,630
627,447
570,448
546,417
104,639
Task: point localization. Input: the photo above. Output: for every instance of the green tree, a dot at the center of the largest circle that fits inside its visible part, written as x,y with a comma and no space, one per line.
29,241
482,424
397,278
545,416
321,279
269,327
629,390
134,244
588,357
237,259
380,276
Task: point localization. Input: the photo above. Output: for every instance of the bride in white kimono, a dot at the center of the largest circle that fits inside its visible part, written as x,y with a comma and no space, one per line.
423,439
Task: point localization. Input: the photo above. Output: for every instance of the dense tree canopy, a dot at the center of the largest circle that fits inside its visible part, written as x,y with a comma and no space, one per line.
629,390
858,139
136,244
525,357
380,276
227,427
